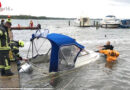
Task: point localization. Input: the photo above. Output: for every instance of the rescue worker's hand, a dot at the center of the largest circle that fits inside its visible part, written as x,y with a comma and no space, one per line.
97,51
11,42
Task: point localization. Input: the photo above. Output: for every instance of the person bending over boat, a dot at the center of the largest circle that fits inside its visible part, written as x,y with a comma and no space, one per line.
15,50
107,46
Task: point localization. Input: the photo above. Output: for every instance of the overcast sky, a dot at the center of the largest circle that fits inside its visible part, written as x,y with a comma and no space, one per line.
68,8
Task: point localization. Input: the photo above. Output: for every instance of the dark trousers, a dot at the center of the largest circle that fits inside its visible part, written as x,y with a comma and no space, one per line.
4,60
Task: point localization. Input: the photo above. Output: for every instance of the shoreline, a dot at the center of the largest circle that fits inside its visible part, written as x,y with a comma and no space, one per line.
34,17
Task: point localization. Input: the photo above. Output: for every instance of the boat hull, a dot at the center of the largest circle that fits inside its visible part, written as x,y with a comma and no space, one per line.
110,25
86,59
125,26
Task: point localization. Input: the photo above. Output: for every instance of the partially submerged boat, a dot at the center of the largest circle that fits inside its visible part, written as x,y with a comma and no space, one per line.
59,53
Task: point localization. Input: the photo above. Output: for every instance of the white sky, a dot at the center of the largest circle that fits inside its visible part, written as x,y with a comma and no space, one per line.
68,8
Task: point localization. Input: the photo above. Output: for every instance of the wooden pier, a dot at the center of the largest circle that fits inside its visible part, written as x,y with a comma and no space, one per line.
24,28
11,81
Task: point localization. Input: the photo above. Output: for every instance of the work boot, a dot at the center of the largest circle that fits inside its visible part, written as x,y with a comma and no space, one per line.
2,72
8,73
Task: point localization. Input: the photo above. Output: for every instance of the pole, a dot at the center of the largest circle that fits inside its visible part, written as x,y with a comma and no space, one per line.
94,24
32,48
69,22
97,26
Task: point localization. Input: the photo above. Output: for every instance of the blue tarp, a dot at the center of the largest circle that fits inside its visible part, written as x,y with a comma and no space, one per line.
58,40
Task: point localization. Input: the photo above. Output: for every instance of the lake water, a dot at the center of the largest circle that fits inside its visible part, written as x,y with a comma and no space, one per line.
94,76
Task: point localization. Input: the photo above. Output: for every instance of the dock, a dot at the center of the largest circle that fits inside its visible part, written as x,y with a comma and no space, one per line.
11,81
24,28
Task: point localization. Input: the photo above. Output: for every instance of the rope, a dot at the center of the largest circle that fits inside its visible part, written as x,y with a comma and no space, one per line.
63,73
39,69
41,45
28,50
68,83
36,48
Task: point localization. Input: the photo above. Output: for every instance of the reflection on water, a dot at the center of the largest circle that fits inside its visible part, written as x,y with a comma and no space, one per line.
94,76
110,64
55,80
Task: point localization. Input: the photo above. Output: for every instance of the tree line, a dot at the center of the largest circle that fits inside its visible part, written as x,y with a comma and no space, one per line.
32,17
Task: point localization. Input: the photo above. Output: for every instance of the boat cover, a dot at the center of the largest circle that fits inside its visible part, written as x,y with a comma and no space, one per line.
58,41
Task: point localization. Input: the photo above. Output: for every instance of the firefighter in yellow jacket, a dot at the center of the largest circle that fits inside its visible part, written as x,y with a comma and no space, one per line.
111,55
15,45
4,50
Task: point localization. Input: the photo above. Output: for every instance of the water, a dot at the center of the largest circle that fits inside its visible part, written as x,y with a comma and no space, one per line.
94,76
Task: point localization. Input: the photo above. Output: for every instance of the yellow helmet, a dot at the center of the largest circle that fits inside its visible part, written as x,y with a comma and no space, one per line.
21,43
9,20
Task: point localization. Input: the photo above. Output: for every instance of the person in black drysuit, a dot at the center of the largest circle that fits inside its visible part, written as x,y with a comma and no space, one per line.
107,46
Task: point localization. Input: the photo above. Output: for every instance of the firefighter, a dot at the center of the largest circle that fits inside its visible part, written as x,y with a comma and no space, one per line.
15,50
4,50
9,19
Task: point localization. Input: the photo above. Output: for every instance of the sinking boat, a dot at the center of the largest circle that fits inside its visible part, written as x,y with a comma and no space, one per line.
62,53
